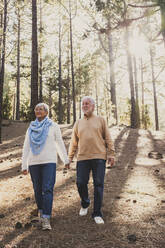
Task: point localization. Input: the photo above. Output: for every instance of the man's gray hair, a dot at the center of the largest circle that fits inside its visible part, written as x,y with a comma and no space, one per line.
89,98
42,104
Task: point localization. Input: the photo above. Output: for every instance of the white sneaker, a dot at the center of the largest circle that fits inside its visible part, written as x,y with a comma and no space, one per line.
99,220
83,211
46,224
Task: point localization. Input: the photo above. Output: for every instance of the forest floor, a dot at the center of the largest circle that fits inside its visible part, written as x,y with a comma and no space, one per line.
134,197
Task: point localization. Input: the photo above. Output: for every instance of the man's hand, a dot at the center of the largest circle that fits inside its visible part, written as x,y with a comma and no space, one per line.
24,172
111,161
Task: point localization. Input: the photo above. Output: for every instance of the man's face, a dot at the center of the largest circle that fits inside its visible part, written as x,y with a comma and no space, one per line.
87,107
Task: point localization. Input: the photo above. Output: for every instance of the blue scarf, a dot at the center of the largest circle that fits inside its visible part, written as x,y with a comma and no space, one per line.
38,132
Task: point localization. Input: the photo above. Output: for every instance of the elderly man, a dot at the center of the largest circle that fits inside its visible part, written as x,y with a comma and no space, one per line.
92,140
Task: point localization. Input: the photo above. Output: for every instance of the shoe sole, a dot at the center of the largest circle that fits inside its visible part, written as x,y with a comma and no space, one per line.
46,229
83,214
99,223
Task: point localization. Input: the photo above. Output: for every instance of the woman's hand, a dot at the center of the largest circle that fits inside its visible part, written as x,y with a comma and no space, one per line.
24,172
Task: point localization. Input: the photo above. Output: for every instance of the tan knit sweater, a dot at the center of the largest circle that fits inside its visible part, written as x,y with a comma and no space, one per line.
91,139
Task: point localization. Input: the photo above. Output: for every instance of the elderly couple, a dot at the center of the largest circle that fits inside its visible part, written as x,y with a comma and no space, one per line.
43,140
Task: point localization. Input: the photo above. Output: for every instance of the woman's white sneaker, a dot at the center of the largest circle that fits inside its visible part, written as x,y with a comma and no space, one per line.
83,211
98,220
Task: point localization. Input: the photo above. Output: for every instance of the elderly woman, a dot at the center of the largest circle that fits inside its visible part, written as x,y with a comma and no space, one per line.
42,142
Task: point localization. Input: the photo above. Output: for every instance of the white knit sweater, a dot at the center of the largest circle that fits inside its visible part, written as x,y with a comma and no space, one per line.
54,143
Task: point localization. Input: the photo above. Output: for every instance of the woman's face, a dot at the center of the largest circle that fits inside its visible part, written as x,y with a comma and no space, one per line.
40,113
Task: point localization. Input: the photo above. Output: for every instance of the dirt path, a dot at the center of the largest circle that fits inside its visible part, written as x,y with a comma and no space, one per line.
134,197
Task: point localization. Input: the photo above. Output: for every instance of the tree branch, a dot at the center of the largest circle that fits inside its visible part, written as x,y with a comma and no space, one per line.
101,42
143,6
127,22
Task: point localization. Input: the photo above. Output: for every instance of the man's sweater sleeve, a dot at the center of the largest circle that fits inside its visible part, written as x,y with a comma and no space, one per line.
60,145
74,142
25,152
108,141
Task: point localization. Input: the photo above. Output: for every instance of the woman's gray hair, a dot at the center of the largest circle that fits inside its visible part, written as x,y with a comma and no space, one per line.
88,98
42,104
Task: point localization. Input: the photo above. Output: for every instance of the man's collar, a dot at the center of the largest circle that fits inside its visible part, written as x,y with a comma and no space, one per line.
88,116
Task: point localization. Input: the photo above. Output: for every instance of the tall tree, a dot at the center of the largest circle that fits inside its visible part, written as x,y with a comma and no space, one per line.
112,74
142,83
96,89
2,64
60,113
72,63
154,89
34,60
136,93
110,16
40,55
131,82
68,85
18,66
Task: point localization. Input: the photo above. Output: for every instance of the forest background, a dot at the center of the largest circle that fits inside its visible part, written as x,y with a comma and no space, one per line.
58,51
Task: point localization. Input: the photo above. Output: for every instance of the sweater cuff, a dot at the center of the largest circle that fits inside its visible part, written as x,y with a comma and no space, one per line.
24,167
66,161
111,154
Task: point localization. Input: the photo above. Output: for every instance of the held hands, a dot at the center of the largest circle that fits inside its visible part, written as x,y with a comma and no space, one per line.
24,172
111,161
67,166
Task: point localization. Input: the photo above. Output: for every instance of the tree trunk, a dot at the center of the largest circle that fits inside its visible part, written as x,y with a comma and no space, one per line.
2,69
50,102
112,76
40,54
68,88
96,89
80,107
14,107
34,62
162,13
131,83
136,93
1,26
154,90
59,78
72,64
106,104
18,69
142,82
79,71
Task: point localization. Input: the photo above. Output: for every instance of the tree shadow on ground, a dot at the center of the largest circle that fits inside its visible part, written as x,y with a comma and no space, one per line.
69,230
11,172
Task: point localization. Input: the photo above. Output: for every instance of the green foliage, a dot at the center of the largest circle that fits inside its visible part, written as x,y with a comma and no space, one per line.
125,117
147,121
137,115
82,77
100,5
7,107
25,113
110,8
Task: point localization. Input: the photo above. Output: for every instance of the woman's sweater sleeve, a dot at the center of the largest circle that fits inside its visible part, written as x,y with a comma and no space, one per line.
25,153
60,145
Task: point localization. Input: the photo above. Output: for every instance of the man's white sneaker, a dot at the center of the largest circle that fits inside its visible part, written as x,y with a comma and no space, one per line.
46,224
99,220
83,211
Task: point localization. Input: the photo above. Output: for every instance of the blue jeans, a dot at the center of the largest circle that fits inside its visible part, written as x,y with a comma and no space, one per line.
43,177
97,166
